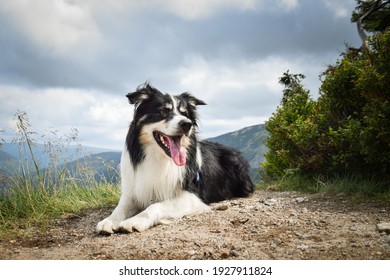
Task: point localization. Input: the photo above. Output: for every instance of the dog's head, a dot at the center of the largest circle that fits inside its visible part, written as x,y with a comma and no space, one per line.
165,122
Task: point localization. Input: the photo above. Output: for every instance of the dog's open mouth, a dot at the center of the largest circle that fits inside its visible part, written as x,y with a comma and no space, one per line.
172,147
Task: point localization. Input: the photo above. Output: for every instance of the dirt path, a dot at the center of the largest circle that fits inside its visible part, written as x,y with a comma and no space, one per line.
269,225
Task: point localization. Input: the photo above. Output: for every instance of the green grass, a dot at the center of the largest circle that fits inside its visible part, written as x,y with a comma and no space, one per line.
355,186
33,196
25,206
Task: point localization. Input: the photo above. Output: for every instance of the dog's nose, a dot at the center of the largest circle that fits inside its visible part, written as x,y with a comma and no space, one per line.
185,125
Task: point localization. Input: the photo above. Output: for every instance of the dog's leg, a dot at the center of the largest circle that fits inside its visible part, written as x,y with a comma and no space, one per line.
126,207
184,204
124,210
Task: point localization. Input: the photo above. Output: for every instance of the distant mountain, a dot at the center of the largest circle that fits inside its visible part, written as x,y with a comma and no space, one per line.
101,167
5,156
44,154
8,163
250,142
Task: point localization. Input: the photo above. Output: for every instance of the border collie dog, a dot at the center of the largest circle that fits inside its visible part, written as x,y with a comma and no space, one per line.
166,172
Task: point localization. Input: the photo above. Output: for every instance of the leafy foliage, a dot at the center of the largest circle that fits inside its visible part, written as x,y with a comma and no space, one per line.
289,129
375,14
346,132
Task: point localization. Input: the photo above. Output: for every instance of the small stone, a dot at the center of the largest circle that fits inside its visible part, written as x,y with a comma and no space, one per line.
352,228
303,247
298,234
234,253
191,252
383,227
277,241
225,253
208,253
237,222
222,207
270,202
300,199
257,208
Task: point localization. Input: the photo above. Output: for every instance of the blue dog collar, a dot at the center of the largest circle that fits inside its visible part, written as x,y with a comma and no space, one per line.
198,177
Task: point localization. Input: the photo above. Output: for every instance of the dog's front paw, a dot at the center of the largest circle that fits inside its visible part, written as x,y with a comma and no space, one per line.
107,227
135,224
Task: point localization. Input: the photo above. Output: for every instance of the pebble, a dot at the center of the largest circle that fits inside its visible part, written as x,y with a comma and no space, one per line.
234,253
352,228
257,208
277,241
225,253
383,227
192,252
300,199
270,202
303,247
222,207
316,223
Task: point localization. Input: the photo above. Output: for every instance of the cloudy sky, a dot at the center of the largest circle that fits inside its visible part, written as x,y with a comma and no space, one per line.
69,63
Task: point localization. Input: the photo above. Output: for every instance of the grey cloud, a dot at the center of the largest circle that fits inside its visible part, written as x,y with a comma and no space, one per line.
151,46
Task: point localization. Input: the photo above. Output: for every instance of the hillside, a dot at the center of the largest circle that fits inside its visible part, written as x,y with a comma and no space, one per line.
101,167
250,142
7,163
43,155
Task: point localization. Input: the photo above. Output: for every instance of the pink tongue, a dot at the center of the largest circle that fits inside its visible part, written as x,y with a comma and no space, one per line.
178,153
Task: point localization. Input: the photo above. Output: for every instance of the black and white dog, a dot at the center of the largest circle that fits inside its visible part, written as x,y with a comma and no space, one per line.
166,172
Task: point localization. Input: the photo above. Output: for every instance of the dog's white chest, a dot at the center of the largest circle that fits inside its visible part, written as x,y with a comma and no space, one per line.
156,181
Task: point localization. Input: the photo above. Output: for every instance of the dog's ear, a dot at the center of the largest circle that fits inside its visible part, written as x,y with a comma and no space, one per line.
142,93
191,100
136,97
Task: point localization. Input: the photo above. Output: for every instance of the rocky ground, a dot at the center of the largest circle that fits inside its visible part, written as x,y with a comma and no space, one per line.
268,225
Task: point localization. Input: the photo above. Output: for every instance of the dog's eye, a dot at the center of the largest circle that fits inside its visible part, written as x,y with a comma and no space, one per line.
164,112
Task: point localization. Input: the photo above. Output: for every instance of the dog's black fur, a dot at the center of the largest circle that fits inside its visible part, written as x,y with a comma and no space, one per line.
223,172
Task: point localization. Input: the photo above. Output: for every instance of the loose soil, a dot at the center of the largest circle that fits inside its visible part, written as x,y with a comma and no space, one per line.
268,225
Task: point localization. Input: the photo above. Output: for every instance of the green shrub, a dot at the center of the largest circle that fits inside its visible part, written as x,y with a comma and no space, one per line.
346,132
